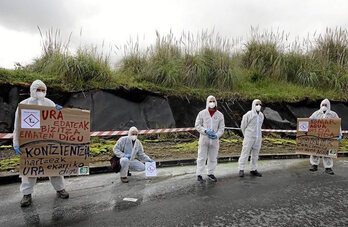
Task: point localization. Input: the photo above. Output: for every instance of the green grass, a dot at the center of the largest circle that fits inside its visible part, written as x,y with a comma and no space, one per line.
266,90
19,76
344,145
280,141
9,163
100,146
191,146
271,90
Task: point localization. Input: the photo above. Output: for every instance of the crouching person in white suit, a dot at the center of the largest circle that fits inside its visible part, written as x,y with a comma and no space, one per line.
127,149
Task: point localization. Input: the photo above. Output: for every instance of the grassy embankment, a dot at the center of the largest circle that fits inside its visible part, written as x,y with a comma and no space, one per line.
267,66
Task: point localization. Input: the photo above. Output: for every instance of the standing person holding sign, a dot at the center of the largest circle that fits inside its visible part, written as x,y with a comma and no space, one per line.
127,148
37,97
251,129
324,112
210,124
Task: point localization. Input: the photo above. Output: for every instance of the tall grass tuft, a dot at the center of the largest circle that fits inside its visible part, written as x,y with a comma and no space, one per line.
164,62
324,64
263,54
320,63
77,70
202,60
134,60
332,47
263,59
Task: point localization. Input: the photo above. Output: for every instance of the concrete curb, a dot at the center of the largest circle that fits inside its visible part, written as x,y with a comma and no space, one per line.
12,178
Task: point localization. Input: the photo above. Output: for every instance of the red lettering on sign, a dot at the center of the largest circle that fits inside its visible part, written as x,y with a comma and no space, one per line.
60,116
44,114
72,138
52,114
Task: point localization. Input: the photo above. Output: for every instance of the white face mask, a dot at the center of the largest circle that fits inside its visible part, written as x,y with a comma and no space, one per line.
323,108
258,108
134,137
40,95
211,105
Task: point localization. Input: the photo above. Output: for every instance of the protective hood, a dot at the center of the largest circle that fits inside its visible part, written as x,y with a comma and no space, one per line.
253,105
210,97
328,105
35,85
132,129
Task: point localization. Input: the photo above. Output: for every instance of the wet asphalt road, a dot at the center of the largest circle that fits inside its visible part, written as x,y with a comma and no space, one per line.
287,195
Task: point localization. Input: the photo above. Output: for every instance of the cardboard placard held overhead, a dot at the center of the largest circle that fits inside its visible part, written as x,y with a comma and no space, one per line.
53,142
318,136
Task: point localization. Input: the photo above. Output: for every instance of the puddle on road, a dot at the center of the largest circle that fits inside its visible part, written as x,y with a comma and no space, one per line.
159,178
122,205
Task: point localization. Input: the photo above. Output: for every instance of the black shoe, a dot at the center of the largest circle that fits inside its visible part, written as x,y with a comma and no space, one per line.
241,173
314,168
329,171
200,179
129,174
212,178
124,179
62,194
26,201
255,173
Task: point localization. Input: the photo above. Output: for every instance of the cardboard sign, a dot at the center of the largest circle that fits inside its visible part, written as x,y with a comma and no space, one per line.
150,169
53,142
318,136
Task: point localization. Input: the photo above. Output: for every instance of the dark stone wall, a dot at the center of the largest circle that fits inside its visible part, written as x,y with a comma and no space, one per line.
121,108
110,111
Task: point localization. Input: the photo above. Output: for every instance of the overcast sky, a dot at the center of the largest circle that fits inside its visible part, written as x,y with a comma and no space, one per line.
115,21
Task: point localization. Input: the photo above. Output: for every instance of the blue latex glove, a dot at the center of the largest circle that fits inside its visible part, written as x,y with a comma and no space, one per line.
209,132
17,150
213,137
59,107
339,137
127,156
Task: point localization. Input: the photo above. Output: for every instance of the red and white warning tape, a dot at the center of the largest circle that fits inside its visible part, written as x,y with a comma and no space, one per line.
156,131
5,135
146,131
278,130
266,130
275,130
121,133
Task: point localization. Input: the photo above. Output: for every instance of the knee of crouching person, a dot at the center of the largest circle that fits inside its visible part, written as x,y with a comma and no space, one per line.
124,161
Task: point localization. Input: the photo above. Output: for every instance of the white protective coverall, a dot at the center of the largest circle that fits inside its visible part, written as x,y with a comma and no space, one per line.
319,114
208,147
125,146
251,129
28,183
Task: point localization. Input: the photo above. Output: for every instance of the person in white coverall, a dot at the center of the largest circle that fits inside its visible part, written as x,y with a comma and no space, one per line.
127,148
251,129
37,97
210,124
324,112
